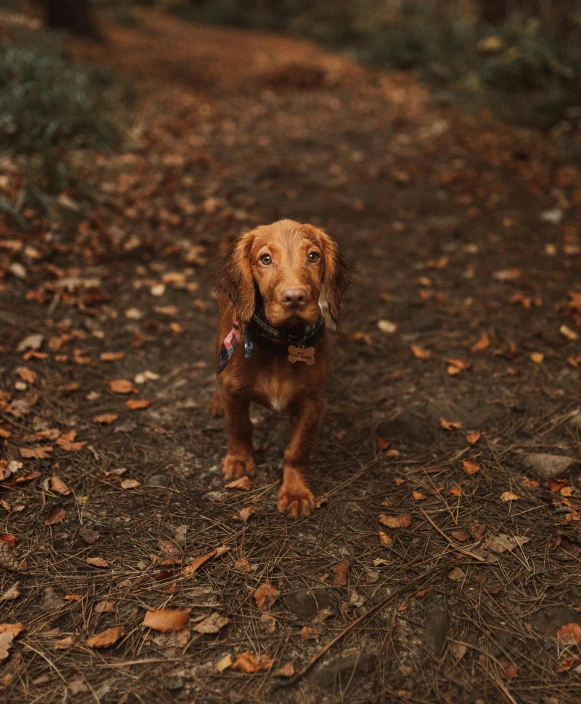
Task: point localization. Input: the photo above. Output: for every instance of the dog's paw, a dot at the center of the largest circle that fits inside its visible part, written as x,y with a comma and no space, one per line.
295,499
216,406
235,466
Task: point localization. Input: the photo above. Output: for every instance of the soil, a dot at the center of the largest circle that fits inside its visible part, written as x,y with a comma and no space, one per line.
464,234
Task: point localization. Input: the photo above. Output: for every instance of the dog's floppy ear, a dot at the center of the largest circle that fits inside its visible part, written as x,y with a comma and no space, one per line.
338,276
235,277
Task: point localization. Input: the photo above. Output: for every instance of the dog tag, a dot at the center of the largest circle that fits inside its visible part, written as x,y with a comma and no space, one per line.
301,354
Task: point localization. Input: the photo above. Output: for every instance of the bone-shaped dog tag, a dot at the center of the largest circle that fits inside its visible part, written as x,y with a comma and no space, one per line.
301,354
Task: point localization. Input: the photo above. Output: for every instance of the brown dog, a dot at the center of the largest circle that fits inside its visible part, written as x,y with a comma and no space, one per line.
269,282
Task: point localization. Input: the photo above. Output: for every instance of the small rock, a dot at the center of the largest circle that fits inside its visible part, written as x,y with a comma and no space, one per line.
172,682
343,671
52,600
157,480
552,216
89,536
305,604
436,629
545,466
127,427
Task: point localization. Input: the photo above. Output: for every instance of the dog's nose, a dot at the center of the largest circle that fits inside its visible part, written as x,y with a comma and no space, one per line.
294,297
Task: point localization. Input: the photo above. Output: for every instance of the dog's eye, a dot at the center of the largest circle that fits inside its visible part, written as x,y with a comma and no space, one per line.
314,256
266,259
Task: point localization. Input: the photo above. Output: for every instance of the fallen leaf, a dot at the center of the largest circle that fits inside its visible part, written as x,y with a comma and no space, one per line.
450,424
569,634
509,496
67,441
502,542
14,628
310,633
97,562
130,484
384,539
556,485
381,443
420,352
213,624
507,275
457,574
5,644
8,538
138,404
455,491
105,607
106,418
122,386
265,595
510,672
474,437
418,496
386,326
566,664
111,356
482,344
106,638
567,491
166,620
12,593
243,483
26,374
341,572
57,484
460,535
56,515
268,623
401,521
224,663
37,453
64,643
537,357
244,514
249,664
470,467
242,565
457,366
568,333
287,670
197,562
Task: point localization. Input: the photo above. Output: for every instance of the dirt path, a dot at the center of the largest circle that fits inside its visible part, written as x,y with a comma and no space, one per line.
465,236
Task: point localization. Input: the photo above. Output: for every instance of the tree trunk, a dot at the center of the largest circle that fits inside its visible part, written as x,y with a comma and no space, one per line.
73,15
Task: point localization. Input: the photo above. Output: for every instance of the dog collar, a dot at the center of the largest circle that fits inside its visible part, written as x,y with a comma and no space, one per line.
298,345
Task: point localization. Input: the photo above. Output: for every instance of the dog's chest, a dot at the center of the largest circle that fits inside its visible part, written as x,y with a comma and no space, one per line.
275,391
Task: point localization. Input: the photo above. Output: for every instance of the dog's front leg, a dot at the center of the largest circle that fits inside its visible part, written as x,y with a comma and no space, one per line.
239,459
295,498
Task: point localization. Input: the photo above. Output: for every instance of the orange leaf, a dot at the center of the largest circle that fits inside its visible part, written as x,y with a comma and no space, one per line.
401,521
14,628
474,437
341,572
111,356
381,443
166,620
26,374
569,634
122,386
470,467
566,664
197,562
243,483
97,562
418,496
266,595
248,663
9,539
106,418
482,344
106,638
57,484
138,404
450,424
56,515
456,491
556,484
37,453
420,352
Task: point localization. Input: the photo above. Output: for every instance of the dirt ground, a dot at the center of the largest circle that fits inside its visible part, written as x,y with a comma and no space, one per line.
443,564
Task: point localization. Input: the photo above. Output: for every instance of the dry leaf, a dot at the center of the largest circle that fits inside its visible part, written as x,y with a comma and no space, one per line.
474,437
14,628
450,424
122,386
242,565
213,624
37,453
386,326
460,535
310,633
401,521
26,374
502,542
244,514
57,484
265,595
138,404
105,607
509,496
384,539
470,467
418,496
455,491
106,638
243,483
130,484
457,366
381,443
570,634
12,593
56,515
420,352
224,663
249,664
456,575
97,562
66,441
166,620
5,644
482,344
63,644
8,538
566,664
197,562
341,572
537,357
111,356
106,418
556,485
268,623
287,670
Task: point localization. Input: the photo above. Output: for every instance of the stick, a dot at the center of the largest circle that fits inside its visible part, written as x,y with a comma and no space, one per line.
456,547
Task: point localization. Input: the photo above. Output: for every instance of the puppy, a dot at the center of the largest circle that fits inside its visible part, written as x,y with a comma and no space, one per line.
272,345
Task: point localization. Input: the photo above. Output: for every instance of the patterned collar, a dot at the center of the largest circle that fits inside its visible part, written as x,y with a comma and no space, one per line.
260,331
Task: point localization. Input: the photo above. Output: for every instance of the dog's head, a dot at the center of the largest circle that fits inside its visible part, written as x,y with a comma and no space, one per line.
286,264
